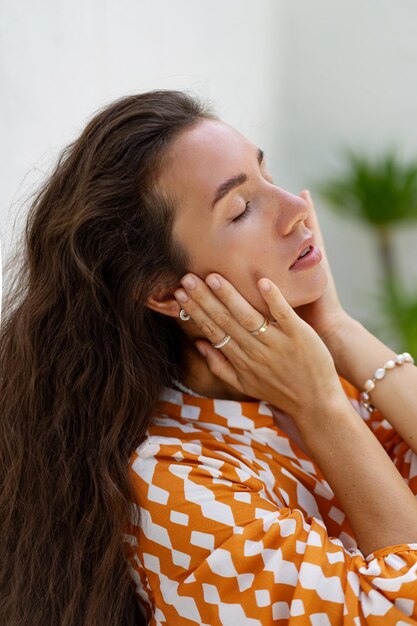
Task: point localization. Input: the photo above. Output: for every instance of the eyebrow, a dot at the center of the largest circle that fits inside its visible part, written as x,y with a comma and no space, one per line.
232,183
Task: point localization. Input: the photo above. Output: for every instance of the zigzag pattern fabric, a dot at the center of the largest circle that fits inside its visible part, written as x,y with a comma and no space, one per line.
235,525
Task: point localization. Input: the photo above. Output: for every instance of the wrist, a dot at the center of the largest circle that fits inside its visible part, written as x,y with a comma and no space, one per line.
357,352
337,335
330,401
320,419
339,339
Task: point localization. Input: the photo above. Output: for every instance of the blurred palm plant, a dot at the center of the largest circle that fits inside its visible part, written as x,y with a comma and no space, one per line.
382,192
400,309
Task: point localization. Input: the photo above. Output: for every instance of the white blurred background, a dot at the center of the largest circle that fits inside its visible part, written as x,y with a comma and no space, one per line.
300,78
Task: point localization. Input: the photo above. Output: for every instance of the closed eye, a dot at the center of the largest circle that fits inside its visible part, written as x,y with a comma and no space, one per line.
244,213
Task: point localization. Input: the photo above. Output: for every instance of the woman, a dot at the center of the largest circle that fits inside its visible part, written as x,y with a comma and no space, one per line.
200,444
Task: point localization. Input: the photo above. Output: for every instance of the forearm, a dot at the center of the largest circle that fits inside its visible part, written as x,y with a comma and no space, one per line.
357,354
381,508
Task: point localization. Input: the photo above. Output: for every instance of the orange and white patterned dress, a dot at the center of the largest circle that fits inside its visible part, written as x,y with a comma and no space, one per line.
237,526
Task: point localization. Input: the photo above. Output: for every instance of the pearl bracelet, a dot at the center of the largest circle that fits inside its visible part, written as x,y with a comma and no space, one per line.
379,375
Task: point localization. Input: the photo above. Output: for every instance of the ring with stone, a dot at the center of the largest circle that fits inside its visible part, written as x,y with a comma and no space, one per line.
222,343
262,328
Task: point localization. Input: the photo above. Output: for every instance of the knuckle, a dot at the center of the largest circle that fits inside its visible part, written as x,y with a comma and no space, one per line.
282,314
208,328
251,354
241,364
199,291
222,319
261,359
248,320
257,356
189,306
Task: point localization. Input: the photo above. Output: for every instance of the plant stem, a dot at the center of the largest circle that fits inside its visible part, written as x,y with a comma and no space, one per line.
386,253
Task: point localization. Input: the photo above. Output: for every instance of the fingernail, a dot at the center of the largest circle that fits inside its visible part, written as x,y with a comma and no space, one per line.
265,285
181,295
213,282
189,282
201,350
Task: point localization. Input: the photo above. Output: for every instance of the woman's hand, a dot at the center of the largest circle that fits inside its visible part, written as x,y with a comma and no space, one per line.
288,365
326,314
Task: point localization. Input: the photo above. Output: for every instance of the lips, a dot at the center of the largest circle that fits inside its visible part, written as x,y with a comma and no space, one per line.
309,241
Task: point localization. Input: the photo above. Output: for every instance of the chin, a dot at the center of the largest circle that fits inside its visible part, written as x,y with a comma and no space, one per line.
310,292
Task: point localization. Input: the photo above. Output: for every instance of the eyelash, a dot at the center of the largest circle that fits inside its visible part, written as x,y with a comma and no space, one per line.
244,214
247,210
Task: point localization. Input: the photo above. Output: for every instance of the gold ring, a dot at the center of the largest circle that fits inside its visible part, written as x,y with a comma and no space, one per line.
262,329
222,343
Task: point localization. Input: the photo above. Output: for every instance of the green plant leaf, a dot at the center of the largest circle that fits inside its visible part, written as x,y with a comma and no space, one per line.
380,191
399,310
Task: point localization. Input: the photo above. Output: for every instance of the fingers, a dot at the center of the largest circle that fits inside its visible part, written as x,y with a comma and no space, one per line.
224,311
218,364
283,314
242,311
210,315
219,309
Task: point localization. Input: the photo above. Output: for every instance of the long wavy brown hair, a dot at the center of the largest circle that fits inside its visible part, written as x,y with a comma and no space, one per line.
83,361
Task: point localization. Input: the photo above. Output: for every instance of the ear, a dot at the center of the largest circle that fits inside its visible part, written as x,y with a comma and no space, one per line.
162,300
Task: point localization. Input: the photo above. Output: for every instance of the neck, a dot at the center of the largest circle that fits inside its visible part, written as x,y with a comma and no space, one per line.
200,379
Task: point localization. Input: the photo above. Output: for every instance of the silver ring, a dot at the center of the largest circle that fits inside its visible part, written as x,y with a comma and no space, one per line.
222,343
262,328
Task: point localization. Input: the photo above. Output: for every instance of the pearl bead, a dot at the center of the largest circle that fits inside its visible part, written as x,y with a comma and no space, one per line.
368,406
379,373
369,385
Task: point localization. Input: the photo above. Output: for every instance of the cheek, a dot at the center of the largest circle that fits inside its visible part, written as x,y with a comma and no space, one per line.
243,263
244,277
243,258
198,243
236,267
246,285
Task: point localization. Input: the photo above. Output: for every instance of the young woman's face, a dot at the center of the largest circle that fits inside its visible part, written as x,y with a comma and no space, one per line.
254,229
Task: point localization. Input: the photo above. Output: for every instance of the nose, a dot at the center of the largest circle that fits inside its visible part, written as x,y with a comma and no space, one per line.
292,211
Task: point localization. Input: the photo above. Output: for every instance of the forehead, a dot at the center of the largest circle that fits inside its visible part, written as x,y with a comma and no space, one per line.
204,156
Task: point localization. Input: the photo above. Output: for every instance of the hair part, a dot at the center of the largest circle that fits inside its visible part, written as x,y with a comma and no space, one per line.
83,362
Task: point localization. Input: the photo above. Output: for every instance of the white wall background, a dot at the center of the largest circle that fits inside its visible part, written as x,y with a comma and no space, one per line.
350,78
299,77
62,61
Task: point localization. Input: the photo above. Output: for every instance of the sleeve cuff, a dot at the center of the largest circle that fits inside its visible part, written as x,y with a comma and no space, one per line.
400,547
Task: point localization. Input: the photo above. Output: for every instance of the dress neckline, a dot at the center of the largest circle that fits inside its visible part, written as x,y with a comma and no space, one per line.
229,413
